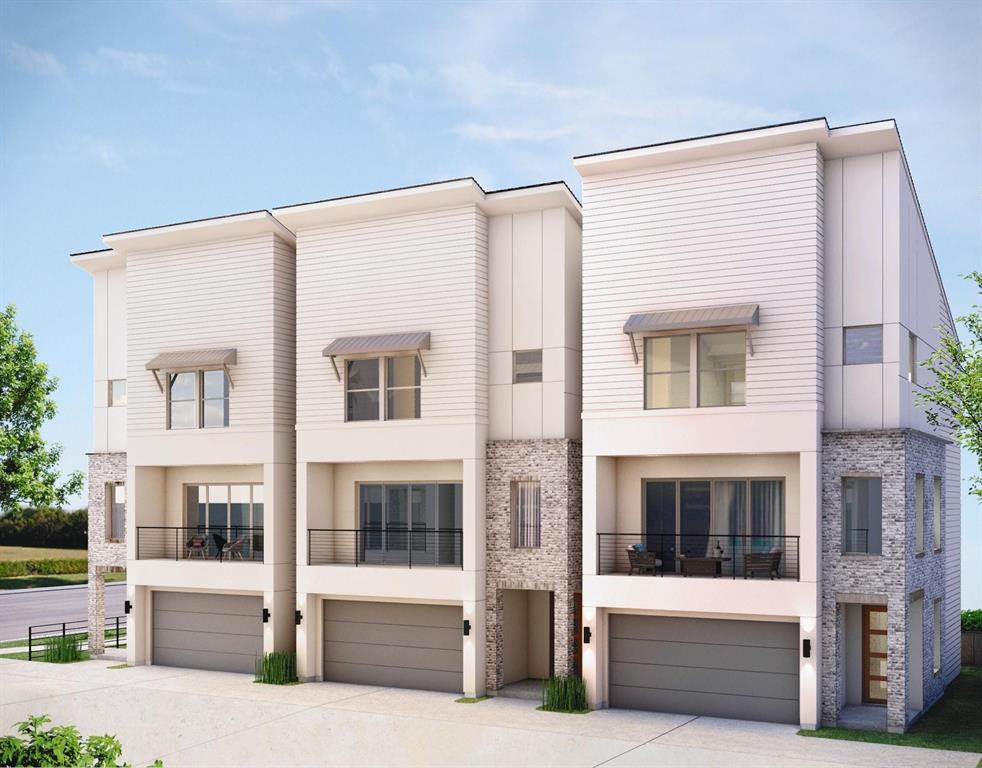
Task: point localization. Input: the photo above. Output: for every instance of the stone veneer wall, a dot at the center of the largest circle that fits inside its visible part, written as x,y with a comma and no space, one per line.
104,555
556,565
886,579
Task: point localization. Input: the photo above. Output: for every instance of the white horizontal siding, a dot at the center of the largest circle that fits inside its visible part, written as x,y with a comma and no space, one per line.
745,229
425,271
230,294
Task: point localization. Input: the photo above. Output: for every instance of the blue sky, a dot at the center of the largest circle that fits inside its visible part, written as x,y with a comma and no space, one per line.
121,115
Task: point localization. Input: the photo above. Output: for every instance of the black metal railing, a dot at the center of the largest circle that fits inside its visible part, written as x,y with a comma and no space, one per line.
230,544
39,634
855,540
386,546
702,555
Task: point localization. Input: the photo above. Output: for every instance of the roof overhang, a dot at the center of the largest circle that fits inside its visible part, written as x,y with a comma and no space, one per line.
98,261
239,225
192,359
847,140
377,344
694,318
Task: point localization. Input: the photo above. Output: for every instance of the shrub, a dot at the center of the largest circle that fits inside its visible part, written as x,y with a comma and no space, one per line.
972,620
63,649
58,528
60,745
564,694
42,567
277,668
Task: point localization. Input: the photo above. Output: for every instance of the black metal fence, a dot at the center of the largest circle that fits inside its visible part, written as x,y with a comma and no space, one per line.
39,634
386,546
701,555
855,540
204,542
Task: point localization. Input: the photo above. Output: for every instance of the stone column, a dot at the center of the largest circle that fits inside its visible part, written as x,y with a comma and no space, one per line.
97,609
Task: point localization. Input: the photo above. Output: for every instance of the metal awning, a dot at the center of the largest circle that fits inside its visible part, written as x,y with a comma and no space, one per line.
726,316
379,343
192,358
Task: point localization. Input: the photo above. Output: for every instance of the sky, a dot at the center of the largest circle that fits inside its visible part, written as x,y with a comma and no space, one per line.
122,115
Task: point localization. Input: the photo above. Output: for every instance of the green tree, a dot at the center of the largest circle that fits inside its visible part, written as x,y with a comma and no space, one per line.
28,466
954,400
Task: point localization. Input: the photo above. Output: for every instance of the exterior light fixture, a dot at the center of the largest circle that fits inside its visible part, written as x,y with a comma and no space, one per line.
806,648
127,606
265,615
297,617
467,627
587,634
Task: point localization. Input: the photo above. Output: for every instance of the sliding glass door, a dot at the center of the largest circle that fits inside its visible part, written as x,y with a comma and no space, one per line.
232,511
660,512
418,523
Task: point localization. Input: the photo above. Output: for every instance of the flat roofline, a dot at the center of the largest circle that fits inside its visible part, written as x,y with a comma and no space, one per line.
89,253
184,223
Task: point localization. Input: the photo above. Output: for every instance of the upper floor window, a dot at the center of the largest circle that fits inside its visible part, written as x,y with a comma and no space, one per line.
115,505
937,513
862,515
366,388
526,514
527,365
720,363
862,344
919,514
912,358
936,637
197,399
117,392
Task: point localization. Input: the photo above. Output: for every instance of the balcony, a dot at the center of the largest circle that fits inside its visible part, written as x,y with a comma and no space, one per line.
698,555
407,548
224,544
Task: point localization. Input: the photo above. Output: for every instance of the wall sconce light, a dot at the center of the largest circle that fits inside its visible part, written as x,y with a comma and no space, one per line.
265,615
127,606
587,634
806,648
297,618
467,627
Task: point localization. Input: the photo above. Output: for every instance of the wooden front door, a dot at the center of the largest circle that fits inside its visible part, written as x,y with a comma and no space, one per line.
874,654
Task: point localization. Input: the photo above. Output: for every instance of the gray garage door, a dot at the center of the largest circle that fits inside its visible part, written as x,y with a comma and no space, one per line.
401,645
218,632
742,669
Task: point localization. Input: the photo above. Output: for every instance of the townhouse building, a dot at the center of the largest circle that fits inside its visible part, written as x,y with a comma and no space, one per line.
771,528
442,438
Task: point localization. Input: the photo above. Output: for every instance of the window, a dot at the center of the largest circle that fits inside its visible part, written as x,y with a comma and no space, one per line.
722,368
362,390
418,523
182,394
526,514
919,514
937,514
912,358
527,366
862,344
402,389
117,392
233,511
861,518
115,511
197,399
937,637
666,372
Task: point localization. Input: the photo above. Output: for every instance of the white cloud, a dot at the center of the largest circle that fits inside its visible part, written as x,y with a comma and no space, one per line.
107,154
151,66
32,60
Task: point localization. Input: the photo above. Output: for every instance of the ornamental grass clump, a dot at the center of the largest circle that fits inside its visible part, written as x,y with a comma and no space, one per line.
277,668
63,649
564,694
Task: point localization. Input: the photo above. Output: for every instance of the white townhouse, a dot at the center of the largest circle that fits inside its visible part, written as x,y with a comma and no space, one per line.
770,527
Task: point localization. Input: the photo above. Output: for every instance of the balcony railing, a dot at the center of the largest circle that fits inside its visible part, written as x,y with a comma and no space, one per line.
386,546
856,541
701,555
226,544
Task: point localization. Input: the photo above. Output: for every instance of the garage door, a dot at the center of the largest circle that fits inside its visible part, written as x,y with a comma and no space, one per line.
741,669
219,632
400,645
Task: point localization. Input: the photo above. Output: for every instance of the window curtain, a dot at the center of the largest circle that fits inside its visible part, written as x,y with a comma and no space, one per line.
767,514
528,497
729,515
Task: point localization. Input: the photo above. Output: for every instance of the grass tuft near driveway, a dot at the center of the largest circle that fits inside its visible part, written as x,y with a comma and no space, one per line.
954,723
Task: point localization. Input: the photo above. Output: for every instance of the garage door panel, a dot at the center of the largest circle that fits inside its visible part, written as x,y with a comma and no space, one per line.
410,614
713,655
707,704
393,677
232,605
193,621
394,655
702,680
208,641
211,660
382,634
761,634
720,668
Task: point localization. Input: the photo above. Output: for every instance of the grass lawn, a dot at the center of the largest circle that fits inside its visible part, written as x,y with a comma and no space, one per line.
58,580
41,553
954,723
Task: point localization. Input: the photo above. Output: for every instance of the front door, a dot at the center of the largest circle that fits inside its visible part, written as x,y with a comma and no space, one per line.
874,654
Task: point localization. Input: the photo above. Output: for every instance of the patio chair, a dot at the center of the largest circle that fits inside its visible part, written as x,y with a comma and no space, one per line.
642,560
220,543
764,562
195,546
234,549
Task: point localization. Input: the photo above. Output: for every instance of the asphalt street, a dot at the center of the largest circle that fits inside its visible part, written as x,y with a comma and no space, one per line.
20,608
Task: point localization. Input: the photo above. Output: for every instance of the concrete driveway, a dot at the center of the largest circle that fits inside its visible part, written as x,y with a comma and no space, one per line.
188,717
